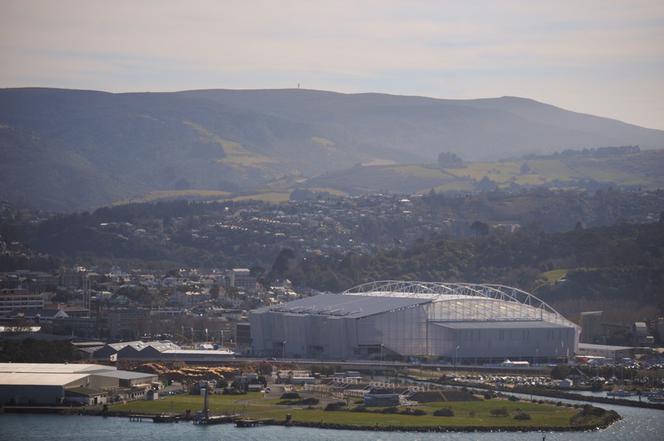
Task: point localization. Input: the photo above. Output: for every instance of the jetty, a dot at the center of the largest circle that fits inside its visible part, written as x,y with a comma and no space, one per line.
248,422
138,417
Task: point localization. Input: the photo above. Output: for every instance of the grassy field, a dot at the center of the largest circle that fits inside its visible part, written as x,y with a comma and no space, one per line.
234,153
639,169
237,155
273,197
416,170
251,404
332,191
212,195
473,413
554,275
457,185
496,171
178,194
634,169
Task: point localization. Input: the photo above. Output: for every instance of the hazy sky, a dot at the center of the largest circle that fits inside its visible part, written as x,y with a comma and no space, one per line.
601,57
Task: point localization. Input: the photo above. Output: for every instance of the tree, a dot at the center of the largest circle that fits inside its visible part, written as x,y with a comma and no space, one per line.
449,160
480,228
264,368
214,291
302,194
257,271
486,184
560,371
283,263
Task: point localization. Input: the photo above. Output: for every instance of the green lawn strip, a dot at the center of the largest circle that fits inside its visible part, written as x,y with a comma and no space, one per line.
475,413
541,416
181,403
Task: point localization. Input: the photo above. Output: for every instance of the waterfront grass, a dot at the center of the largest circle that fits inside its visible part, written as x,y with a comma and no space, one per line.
466,414
218,404
475,413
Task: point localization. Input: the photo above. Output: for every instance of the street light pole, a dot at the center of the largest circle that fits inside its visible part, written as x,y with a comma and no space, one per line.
381,360
283,349
456,355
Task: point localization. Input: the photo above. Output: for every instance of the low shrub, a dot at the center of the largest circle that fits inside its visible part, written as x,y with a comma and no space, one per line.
360,408
589,410
233,391
337,405
522,416
513,398
445,411
290,396
310,401
499,412
392,409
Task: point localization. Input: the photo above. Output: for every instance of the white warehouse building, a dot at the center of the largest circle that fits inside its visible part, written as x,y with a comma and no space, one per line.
460,321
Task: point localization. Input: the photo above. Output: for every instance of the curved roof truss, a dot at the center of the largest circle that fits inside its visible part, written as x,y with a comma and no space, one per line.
441,291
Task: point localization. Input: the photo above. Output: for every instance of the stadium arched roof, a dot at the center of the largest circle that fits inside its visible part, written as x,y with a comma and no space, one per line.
520,304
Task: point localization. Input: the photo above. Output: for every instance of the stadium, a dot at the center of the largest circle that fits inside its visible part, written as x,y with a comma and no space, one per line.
400,319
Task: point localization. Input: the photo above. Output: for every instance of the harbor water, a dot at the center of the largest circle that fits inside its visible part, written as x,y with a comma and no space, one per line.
637,425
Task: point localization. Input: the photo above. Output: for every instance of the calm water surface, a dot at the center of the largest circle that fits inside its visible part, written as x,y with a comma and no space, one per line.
637,424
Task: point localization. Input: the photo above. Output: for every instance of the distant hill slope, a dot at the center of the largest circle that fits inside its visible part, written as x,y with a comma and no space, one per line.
643,169
70,149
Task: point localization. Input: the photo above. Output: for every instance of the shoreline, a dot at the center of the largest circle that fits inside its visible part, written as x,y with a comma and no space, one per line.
545,393
609,418
558,395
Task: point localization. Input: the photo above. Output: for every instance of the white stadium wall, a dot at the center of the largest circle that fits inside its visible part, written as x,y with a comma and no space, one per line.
384,319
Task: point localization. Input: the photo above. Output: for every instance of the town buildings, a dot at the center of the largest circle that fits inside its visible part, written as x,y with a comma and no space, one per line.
20,300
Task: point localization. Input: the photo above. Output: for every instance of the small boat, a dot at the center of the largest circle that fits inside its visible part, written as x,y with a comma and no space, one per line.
655,397
165,419
217,419
247,422
620,393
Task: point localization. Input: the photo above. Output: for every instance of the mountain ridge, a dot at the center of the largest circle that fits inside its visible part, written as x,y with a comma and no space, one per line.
70,149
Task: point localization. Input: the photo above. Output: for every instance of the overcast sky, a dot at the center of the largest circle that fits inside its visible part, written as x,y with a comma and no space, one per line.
600,57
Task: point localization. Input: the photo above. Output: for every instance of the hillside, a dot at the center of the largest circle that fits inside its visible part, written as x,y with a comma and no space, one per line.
578,251
64,150
632,170
247,233
618,269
